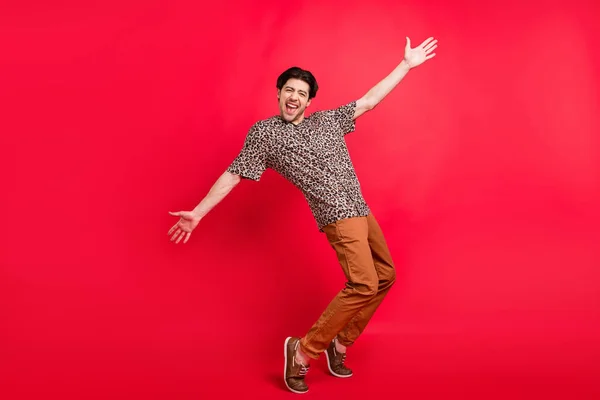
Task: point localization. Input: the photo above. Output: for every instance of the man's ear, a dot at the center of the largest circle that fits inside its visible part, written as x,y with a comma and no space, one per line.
278,93
308,103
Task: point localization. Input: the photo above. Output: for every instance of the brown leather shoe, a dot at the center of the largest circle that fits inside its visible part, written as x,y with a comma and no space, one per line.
294,372
335,362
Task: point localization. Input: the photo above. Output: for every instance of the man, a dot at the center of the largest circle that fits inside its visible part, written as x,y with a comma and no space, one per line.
311,153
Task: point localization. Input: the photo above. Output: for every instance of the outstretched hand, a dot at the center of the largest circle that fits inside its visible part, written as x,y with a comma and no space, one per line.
188,221
421,53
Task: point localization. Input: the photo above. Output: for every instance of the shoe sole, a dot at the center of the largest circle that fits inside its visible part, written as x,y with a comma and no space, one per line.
285,366
331,371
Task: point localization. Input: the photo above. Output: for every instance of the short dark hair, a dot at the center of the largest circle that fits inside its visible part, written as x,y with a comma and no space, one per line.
303,75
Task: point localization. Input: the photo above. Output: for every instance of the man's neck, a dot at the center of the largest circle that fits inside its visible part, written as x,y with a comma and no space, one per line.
298,120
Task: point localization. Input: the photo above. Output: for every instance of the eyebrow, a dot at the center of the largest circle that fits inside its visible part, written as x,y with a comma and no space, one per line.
300,90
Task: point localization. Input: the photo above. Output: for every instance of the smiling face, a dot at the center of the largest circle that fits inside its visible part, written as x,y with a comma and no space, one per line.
293,100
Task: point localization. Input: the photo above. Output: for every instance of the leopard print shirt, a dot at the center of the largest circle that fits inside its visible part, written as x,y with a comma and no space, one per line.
311,155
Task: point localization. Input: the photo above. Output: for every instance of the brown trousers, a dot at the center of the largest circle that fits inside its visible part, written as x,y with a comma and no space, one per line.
364,256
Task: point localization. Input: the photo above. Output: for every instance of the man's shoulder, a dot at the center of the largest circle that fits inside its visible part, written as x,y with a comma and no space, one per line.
337,111
265,129
270,123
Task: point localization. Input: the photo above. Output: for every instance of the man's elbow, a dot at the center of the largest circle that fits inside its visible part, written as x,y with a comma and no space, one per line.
368,103
363,105
371,105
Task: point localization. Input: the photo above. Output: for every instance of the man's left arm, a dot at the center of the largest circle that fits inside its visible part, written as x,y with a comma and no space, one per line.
412,58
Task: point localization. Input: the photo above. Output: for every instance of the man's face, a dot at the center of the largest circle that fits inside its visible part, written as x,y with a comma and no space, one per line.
293,100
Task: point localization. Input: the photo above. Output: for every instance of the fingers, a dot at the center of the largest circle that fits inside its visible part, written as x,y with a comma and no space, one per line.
173,229
407,42
430,56
178,231
426,42
430,46
430,49
177,236
176,226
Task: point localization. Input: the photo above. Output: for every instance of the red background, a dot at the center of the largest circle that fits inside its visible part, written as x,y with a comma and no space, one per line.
483,168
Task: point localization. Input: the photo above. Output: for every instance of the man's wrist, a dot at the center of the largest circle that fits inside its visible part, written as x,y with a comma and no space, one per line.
406,64
197,213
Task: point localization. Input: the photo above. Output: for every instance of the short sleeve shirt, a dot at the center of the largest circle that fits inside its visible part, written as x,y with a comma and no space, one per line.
311,155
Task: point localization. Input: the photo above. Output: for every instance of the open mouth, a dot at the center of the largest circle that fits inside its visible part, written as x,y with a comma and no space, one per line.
291,108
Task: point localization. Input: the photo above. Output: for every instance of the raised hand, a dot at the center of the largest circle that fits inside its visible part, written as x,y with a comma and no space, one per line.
188,221
421,53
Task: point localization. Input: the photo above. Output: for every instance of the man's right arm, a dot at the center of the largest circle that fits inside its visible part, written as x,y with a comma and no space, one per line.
250,164
189,220
221,188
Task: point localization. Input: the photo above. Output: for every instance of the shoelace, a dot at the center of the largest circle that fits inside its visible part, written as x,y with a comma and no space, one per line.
335,352
303,368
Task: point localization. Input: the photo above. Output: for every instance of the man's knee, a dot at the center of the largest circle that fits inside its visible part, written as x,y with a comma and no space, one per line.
389,276
366,288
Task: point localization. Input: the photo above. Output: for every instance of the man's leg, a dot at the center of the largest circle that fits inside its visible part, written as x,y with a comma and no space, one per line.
350,239
386,274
